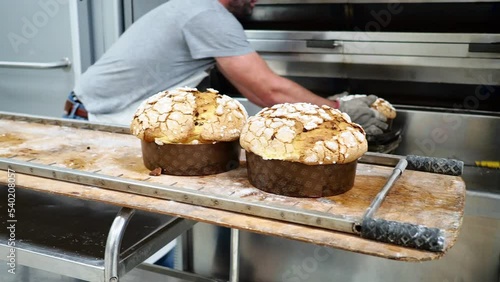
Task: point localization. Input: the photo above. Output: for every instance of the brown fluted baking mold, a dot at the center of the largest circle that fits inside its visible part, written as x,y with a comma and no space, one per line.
300,180
190,160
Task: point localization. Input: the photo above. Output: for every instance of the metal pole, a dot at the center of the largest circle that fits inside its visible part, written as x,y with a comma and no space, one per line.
396,173
234,271
113,244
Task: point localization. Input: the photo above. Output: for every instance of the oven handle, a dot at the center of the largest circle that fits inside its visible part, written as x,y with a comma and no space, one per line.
332,44
63,63
485,47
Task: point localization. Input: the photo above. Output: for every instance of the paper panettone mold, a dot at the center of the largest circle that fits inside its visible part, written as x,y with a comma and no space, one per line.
302,150
188,132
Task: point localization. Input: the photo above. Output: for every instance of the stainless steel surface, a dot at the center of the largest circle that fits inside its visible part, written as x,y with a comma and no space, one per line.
166,233
331,44
35,31
379,198
368,47
461,38
63,63
380,159
134,9
113,244
55,262
67,236
183,251
423,57
482,179
30,274
267,210
234,271
104,25
389,42
143,273
169,274
465,137
211,251
432,70
380,54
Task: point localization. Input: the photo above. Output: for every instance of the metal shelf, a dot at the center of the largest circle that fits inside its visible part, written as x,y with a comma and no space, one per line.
70,236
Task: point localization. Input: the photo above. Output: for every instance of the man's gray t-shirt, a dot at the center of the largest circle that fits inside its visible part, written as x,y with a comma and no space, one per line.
163,48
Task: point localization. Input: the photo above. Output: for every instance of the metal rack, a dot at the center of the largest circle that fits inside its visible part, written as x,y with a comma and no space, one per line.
110,268
85,240
403,234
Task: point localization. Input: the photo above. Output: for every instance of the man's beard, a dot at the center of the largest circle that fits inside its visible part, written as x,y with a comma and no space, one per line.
240,8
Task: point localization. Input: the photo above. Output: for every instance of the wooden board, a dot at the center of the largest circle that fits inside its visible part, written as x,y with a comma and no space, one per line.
420,198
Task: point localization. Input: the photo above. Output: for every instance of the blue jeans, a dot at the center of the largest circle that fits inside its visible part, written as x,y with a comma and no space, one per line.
75,105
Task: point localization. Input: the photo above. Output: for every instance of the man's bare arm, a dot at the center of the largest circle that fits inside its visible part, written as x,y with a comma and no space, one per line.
251,75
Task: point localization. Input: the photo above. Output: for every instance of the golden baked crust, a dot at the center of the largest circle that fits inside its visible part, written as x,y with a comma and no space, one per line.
304,133
188,116
385,108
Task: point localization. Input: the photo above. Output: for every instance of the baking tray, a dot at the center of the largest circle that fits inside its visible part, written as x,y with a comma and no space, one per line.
108,151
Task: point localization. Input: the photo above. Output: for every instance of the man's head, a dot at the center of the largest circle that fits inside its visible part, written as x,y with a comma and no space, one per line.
240,8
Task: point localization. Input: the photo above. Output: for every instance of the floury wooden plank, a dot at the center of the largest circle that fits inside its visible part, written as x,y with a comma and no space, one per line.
422,198
297,232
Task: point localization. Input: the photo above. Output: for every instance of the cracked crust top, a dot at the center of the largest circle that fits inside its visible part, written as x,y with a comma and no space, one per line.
188,116
304,133
385,108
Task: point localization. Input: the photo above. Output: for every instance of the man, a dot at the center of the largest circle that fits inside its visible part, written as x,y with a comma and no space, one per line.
173,45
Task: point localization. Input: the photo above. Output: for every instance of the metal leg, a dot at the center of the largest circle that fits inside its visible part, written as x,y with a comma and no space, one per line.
113,244
234,271
183,252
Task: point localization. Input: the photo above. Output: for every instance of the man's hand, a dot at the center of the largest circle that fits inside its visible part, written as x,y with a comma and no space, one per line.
358,108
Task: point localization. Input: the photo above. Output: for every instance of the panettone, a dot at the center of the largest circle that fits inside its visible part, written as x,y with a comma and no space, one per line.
302,150
381,105
188,132
385,108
